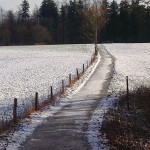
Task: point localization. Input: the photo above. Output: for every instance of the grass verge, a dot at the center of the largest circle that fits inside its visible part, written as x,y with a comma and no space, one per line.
129,130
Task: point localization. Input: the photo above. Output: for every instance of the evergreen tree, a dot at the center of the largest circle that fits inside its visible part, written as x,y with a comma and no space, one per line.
11,23
105,5
77,22
36,15
138,21
124,21
142,23
104,32
74,21
63,25
147,24
135,20
25,10
113,24
49,18
71,20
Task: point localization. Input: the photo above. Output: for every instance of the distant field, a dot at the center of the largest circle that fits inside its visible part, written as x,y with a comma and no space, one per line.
132,60
25,70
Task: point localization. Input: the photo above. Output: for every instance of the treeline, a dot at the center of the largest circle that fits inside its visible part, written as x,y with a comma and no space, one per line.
127,22
46,25
78,21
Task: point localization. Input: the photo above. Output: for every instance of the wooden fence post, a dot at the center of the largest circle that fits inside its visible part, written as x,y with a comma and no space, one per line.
63,86
87,63
127,82
36,101
15,111
51,92
83,68
77,74
70,80
91,60
94,58
96,50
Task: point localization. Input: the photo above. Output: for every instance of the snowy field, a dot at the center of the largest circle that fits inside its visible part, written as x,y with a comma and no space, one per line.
29,69
132,60
27,126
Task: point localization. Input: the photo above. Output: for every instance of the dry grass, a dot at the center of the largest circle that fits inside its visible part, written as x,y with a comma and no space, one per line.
129,130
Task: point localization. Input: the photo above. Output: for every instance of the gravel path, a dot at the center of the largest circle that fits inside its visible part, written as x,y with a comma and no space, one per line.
67,129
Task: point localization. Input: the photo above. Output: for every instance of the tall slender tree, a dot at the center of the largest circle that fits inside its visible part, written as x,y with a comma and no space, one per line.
124,20
63,25
49,18
25,10
94,19
113,24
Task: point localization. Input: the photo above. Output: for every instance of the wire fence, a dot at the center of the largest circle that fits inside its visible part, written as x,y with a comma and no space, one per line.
10,116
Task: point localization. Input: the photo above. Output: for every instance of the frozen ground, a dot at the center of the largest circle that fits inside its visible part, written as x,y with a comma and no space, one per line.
132,60
28,125
29,69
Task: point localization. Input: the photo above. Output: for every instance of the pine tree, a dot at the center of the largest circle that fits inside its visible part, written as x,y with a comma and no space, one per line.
147,24
49,18
134,17
105,4
36,15
138,23
25,10
73,20
11,23
113,22
43,9
104,32
63,25
49,9
124,21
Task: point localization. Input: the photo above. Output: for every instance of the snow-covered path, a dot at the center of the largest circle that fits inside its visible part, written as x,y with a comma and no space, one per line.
69,128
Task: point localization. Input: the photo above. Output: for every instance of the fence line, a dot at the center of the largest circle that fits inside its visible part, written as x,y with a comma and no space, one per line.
52,97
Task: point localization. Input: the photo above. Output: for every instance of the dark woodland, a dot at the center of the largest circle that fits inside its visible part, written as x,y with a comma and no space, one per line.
73,23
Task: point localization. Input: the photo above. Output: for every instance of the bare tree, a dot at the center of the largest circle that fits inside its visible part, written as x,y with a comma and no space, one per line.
95,19
40,35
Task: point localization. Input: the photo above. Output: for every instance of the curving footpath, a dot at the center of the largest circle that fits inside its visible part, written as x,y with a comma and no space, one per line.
67,129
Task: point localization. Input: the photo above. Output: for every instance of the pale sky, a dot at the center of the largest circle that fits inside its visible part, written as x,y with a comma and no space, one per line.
13,4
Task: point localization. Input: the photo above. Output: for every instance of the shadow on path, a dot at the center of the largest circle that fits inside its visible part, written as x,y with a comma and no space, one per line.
67,129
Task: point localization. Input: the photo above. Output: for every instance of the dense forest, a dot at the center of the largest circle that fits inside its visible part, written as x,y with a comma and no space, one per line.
76,22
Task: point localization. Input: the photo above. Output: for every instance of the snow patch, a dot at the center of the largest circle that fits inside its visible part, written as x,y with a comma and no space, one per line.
94,137
132,60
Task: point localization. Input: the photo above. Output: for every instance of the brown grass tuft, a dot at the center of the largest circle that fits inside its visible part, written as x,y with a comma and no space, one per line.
129,130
